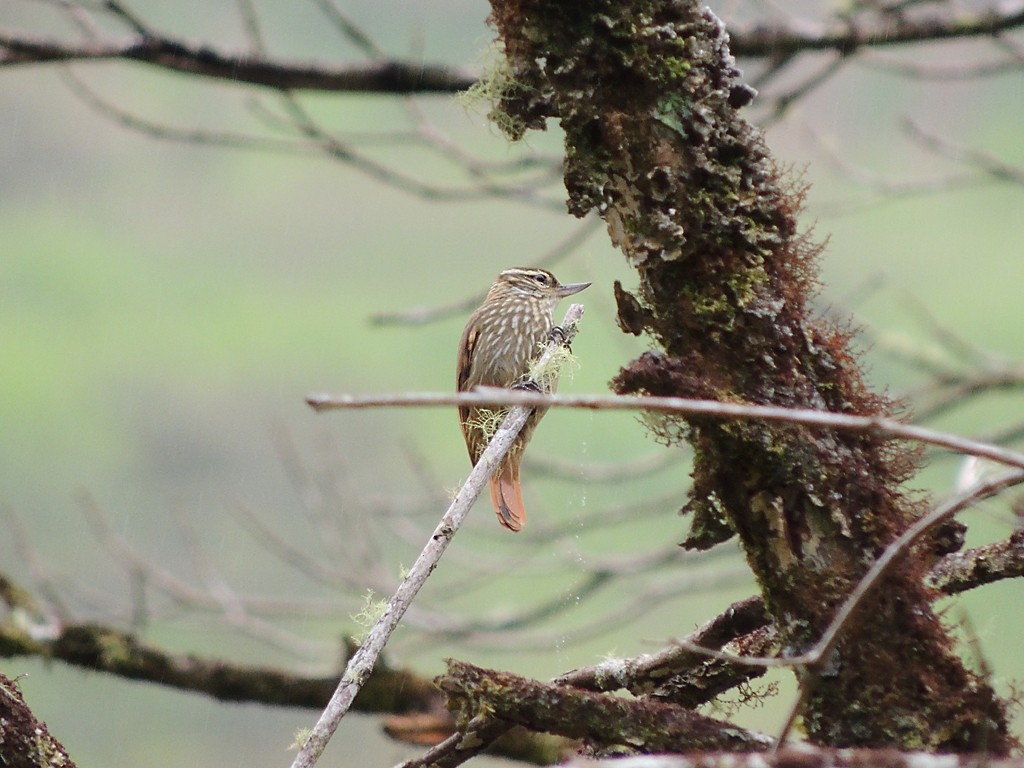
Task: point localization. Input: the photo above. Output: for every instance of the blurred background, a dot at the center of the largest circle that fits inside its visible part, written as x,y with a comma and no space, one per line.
165,306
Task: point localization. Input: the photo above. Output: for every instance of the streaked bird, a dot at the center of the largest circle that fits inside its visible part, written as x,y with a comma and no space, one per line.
501,340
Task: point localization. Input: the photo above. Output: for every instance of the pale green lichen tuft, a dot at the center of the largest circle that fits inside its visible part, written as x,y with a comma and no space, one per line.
496,82
300,738
486,421
367,616
545,373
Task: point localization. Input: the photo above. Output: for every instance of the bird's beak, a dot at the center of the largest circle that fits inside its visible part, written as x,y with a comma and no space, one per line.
570,289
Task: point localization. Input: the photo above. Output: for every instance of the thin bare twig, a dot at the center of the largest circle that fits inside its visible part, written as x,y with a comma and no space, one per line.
827,642
843,36
494,398
363,661
349,29
991,165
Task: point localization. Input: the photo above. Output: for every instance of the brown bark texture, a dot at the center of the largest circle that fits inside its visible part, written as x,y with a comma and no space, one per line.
25,742
602,720
648,95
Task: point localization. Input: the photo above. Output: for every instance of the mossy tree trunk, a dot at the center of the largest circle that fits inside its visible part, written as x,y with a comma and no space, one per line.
648,96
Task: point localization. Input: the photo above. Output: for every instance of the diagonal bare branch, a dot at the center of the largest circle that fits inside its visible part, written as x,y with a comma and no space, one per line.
363,661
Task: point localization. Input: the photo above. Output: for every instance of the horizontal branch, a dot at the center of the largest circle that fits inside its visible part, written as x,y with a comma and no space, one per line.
845,36
959,571
394,76
105,649
280,74
599,718
640,675
711,409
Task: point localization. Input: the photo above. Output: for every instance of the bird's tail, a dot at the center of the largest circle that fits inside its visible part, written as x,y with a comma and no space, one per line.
507,497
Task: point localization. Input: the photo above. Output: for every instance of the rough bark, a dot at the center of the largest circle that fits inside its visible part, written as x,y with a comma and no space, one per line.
648,96
602,720
104,649
25,742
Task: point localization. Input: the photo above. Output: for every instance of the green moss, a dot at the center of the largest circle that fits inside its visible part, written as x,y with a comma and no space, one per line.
367,616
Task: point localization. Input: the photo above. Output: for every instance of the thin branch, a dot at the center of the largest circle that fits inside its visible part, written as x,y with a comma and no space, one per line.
942,73
492,398
467,743
599,718
639,674
363,661
164,132
334,147
992,166
389,76
830,637
782,103
253,28
18,48
959,571
773,41
104,649
120,11
349,29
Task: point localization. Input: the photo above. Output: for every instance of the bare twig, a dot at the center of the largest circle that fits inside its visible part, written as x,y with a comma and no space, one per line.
474,738
843,36
712,409
992,166
349,29
362,662
784,101
827,642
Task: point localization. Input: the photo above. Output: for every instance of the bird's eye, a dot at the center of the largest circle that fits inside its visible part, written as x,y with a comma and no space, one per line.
541,278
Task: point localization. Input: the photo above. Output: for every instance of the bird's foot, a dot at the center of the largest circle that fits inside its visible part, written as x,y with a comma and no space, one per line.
528,385
557,335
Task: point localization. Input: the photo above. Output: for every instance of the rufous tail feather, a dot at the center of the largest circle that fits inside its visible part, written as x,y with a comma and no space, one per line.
507,497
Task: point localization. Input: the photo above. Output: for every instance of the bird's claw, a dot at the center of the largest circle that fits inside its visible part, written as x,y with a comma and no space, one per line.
528,385
557,335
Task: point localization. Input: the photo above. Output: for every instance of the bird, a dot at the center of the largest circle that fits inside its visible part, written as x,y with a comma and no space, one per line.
502,338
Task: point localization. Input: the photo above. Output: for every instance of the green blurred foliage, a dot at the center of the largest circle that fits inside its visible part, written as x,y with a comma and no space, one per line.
164,308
